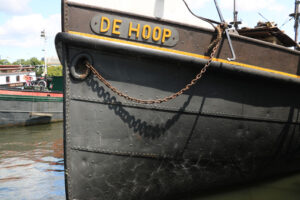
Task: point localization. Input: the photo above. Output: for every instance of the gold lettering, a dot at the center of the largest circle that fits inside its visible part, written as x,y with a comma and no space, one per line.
146,29
156,34
136,30
116,26
166,34
106,20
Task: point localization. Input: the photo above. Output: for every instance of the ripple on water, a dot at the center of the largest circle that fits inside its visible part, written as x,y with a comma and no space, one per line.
31,163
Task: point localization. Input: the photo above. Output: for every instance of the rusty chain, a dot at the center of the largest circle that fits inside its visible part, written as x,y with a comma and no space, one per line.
216,44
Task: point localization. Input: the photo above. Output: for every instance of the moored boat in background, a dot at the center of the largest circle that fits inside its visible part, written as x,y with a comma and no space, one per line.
16,75
31,104
235,122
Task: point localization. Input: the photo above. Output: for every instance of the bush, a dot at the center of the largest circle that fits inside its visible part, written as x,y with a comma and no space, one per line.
55,71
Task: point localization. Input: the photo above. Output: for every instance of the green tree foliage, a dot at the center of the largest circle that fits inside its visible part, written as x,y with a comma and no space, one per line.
39,71
31,61
20,62
35,61
55,71
52,70
4,62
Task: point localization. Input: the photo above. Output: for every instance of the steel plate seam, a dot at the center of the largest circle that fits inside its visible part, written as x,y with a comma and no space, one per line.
188,111
67,122
122,153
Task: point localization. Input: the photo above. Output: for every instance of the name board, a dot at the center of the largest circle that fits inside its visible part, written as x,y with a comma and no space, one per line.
131,29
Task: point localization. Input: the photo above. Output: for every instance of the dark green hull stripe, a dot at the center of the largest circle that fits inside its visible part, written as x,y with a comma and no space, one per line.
30,98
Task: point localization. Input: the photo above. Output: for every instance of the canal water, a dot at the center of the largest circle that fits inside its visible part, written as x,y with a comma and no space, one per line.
31,168
31,163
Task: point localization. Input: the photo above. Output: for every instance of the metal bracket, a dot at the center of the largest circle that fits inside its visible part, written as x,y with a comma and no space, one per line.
230,45
226,32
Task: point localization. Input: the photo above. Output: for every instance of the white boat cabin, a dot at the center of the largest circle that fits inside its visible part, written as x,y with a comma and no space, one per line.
16,75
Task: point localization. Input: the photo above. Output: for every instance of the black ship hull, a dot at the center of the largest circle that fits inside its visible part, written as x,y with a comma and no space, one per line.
229,128
236,125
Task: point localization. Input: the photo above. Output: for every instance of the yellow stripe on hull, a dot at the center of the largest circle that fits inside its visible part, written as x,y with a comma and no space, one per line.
183,53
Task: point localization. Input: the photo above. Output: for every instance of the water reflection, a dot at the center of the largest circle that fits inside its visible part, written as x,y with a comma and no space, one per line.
31,162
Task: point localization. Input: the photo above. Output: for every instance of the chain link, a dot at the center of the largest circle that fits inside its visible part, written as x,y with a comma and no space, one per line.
216,43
